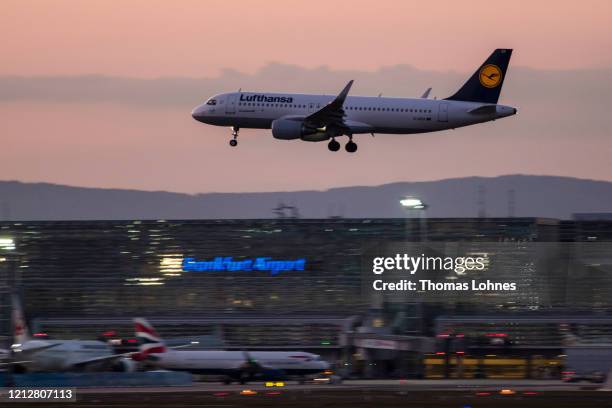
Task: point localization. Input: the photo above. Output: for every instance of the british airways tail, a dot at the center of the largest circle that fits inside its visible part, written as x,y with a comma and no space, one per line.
149,340
486,83
21,334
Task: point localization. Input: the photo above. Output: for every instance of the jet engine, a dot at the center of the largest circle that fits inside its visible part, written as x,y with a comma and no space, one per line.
125,365
289,129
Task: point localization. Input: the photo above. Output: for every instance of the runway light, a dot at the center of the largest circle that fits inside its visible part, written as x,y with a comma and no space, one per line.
507,391
497,335
273,393
483,394
221,394
530,393
248,392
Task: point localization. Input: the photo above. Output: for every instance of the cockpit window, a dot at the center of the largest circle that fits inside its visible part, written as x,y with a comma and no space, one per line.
211,102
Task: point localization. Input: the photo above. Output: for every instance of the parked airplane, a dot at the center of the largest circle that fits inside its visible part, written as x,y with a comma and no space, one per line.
240,366
316,118
29,354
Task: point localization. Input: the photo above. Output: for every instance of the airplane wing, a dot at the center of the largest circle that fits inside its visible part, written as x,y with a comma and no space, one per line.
102,359
34,349
331,116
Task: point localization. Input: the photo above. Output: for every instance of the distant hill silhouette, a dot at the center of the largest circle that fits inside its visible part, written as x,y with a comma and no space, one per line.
541,196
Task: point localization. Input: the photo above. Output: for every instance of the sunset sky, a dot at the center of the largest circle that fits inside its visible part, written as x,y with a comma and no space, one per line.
52,129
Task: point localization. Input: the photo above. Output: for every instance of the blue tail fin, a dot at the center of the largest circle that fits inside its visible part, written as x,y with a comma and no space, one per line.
486,83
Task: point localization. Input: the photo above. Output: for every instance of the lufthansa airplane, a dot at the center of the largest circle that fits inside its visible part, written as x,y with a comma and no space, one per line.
317,118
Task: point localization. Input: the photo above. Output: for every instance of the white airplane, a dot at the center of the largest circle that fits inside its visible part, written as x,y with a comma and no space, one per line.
317,118
240,366
29,354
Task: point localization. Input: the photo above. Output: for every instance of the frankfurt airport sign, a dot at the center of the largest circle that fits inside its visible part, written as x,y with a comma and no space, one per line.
229,264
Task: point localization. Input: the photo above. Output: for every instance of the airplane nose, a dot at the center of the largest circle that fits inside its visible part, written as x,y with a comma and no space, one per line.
198,113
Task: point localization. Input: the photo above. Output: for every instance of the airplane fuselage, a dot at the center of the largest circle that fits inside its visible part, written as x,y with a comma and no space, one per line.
363,114
230,363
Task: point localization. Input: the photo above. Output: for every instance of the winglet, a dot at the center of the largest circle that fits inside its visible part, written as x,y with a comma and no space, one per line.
426,94
339,101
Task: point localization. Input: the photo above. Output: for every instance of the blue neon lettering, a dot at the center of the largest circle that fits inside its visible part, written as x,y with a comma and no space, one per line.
263,264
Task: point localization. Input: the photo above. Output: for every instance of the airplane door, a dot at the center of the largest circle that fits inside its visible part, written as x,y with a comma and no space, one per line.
443,112
230,106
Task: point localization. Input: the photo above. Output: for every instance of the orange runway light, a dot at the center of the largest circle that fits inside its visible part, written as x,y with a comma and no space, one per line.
248,392
507,392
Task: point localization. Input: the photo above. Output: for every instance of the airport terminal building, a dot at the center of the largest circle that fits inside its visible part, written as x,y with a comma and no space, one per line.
298,284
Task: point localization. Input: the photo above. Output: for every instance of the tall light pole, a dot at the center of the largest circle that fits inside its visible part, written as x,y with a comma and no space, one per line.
414,204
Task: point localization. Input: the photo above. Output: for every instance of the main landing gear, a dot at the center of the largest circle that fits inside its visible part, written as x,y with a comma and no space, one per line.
350,147
234,141
333,145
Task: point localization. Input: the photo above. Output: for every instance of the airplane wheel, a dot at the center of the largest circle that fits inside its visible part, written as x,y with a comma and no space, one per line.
351,147
333,146
233,143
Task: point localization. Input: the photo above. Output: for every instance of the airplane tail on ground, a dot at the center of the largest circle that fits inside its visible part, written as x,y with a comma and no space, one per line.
149,340
486,83
21,334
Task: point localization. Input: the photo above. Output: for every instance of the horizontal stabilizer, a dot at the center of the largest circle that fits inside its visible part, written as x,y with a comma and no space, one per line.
484,110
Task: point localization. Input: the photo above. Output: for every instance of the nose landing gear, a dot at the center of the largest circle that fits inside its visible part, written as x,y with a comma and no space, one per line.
234,141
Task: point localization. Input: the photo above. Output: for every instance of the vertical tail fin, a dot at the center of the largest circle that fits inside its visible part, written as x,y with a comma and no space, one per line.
486,83
149,340
21,334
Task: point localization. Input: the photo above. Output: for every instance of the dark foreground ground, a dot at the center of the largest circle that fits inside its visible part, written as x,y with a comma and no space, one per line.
321,398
